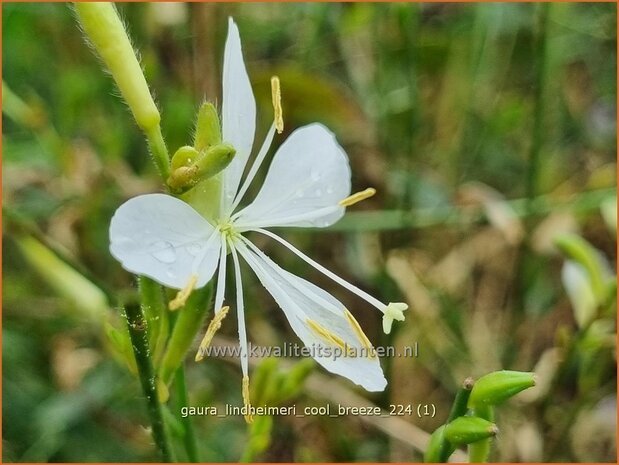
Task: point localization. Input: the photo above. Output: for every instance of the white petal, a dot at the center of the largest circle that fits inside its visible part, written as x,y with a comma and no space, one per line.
309,175
238,112
301,300
162,237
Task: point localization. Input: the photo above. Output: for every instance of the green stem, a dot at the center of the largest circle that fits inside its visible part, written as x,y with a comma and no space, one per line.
182,399
538,110
156,314
158,151
139,338
458,409
480,451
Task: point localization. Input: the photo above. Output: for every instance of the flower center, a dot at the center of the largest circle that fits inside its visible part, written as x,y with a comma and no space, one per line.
228,231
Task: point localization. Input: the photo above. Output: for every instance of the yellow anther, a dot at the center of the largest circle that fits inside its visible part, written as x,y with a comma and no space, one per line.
276,95
213,327
183,294
326,335
358,197
360,334
249,418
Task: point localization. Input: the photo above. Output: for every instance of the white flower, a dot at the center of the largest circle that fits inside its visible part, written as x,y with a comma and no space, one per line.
307,185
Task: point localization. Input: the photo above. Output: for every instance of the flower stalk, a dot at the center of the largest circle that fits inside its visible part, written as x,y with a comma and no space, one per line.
182,400
138,331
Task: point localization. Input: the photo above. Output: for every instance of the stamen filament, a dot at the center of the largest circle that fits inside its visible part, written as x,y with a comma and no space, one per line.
240,308
213,327
358,197
221,275
308,216
352,288
254,168
308,292
276,96
182,295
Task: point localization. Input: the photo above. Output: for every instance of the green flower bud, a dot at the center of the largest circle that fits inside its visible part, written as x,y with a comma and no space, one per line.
466,430
496,387
438,450
185,156
204,165
208,131
215,159
107,34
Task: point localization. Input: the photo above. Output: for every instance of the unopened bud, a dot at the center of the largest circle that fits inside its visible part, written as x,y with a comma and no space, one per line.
439,449
107,34
203,165
465,430
208,130
498,386
185,156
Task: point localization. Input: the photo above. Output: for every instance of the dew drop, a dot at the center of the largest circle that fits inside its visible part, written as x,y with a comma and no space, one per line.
318,191
315,174
330,190
164,252
194,249
299,193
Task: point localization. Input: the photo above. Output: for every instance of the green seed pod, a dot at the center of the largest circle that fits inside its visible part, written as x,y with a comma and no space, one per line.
208,131
498,386
466,430
107,34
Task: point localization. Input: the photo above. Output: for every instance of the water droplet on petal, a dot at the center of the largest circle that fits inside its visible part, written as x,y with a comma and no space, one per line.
164,252
330,190
194,249
318,191
299,193
315,174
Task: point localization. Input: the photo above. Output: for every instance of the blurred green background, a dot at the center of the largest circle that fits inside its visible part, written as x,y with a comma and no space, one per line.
489,130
